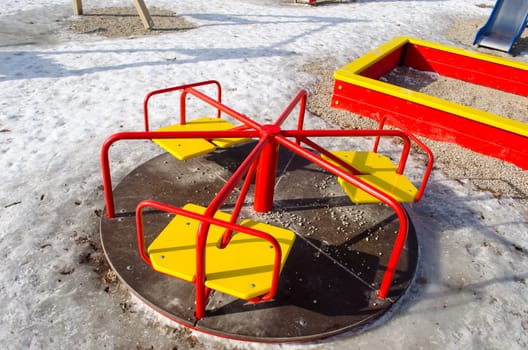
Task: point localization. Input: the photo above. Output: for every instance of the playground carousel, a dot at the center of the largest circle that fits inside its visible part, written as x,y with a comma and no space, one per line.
257,232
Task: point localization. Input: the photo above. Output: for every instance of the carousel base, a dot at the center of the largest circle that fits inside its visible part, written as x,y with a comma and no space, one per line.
330,281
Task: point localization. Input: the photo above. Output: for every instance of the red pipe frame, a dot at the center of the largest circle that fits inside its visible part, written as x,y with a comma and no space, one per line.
264,158
201,291
182,100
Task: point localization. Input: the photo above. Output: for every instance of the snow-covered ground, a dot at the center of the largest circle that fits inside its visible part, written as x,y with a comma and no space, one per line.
63,94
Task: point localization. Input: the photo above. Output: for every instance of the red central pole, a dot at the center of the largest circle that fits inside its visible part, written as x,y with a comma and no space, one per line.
266,171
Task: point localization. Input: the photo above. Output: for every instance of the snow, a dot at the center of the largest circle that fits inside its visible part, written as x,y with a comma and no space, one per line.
61,98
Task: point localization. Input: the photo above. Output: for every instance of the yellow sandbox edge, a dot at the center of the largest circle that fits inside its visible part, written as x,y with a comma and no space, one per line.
349,73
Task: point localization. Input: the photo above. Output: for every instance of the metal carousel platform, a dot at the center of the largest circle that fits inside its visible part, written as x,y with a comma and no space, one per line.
330,281
334,266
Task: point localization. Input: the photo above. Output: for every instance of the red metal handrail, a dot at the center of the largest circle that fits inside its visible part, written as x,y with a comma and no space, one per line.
149,135
304,134
378,194
205,221
420,144
176,88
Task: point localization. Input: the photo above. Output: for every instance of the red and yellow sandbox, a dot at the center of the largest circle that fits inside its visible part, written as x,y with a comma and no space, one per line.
359,90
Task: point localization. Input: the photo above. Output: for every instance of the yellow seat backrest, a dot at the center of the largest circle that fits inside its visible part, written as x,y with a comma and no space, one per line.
186,148
243,269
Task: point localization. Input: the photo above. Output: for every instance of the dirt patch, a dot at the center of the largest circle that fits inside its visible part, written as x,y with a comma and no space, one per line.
124,22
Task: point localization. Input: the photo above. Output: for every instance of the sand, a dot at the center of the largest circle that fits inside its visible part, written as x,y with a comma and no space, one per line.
124,22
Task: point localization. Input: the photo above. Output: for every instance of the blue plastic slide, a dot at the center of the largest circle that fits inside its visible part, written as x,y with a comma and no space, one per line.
504,26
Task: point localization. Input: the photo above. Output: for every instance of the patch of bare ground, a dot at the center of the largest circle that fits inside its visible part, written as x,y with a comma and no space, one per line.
124,22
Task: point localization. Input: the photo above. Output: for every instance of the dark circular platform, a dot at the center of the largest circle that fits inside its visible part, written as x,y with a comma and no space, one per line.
330,280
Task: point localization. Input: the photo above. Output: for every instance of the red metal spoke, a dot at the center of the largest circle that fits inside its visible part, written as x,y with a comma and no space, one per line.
327,154
423,146
231,112
226,237
300,97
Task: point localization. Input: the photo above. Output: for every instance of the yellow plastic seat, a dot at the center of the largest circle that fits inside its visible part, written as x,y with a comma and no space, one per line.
376,170
389,182
364,161
188,148
243,269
